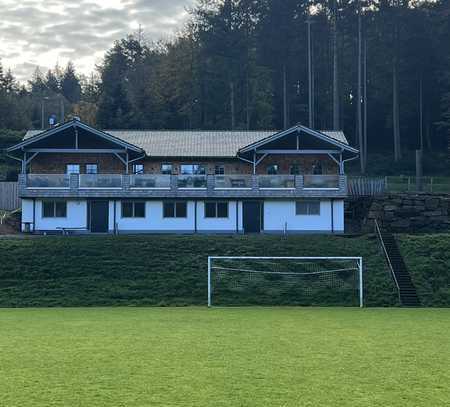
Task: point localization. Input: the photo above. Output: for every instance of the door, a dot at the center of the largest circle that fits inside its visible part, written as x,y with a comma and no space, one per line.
252,218
99,220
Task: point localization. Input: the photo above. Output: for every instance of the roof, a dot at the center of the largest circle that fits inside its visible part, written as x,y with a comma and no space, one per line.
193,143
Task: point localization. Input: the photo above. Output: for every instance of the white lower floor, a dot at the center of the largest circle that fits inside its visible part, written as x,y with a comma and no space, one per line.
183,216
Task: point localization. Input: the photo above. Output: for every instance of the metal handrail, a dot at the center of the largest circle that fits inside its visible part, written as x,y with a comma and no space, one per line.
378,232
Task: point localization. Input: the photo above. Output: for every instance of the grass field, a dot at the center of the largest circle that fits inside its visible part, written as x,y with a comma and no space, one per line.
233,357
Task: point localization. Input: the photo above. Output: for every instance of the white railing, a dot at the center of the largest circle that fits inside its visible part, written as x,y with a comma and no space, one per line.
255,183
276,181
233,181
101,181
150,181
191,181
321,181
48,181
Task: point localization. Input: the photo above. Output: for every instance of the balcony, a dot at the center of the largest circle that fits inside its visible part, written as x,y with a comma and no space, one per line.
181,186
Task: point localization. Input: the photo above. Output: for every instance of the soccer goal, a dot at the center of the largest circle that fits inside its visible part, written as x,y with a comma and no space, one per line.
241,280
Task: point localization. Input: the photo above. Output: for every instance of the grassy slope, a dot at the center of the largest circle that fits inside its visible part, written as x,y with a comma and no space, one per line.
225,357
155,270
428,260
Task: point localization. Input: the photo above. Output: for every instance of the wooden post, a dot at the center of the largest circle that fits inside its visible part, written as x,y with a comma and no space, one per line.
419,170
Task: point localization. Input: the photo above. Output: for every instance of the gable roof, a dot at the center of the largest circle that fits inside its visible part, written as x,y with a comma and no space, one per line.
337,138
198,143
35,135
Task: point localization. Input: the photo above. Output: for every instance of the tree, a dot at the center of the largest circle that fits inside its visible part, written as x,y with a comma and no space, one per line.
70,84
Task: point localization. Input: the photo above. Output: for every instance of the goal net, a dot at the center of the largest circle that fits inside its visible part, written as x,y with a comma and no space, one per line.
285,281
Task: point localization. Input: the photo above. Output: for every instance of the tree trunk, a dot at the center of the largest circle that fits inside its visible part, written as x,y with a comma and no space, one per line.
359,96
310,78
285,113
336,107
232,110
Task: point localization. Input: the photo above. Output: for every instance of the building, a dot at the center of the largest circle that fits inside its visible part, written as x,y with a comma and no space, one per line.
77,179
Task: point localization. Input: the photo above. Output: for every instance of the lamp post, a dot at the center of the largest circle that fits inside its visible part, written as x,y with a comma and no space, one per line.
42,112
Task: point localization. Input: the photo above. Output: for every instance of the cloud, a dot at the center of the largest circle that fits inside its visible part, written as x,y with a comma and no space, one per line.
45,32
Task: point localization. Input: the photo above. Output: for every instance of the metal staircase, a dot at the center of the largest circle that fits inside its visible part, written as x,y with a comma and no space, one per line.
405,286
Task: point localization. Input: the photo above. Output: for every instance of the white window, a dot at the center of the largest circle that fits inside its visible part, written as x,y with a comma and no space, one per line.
138,168
175,210
166,169
272,169
219,169
54,209
216,209
91,169
72,169
192,169
307,208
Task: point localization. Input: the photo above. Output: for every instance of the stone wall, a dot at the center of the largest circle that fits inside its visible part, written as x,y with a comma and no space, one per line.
402,212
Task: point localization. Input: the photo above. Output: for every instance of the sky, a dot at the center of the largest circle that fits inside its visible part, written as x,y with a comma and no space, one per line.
48,32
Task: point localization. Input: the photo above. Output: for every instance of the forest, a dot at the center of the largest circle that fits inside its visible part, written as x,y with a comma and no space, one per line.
377,69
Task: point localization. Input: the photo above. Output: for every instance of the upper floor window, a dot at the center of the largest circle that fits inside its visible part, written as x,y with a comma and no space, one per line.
317,168
307,208
272,169
54,209
193,169
166,169
175,210
294,169
216,209
138,168
219,169
91,169
133,209
72,169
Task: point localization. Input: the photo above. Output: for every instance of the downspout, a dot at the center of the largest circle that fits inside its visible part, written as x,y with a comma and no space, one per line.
34,215
332,215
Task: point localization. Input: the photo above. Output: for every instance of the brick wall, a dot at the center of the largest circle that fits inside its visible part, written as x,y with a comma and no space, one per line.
110,164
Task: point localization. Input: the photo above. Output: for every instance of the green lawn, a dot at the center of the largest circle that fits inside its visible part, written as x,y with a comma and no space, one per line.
224,357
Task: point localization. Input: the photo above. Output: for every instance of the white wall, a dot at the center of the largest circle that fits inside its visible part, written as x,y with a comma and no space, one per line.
76,216
219,224
154,220
279,215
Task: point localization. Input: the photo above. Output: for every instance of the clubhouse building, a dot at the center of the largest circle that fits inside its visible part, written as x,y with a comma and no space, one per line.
78,179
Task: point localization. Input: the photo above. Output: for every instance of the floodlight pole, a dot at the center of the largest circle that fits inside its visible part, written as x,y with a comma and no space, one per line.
361,291
209,281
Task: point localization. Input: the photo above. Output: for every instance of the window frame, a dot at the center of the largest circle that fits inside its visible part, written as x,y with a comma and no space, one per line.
166,172
175,210
292,166
216,209
91,165
221,168
308,207
270,166
140,172
72,172
54,211
133,209
194,171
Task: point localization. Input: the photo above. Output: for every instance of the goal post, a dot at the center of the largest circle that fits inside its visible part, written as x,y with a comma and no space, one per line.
285,278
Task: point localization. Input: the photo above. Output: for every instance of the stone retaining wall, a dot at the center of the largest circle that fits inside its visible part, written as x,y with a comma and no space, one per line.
405,212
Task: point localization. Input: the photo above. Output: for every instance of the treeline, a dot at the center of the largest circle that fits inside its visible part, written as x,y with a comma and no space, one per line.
244,64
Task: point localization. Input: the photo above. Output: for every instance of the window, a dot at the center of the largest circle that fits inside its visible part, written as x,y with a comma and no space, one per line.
133,209
307,208
138,168
317,168
166,169
216,209
219,169
91,169
72,169
294,169
54,209
175,209
272,169
192,169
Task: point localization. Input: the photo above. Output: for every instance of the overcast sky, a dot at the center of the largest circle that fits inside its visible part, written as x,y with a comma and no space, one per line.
45,32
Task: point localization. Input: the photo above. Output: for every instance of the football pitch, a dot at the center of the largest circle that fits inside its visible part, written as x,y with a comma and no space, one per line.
224,357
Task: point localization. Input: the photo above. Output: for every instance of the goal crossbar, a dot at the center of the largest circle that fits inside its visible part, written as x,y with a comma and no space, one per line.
358,261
